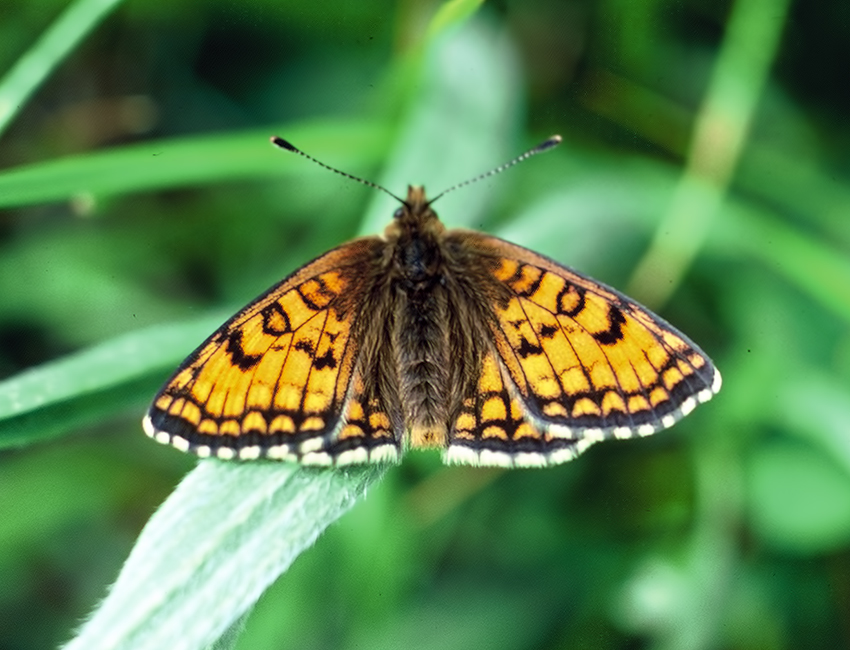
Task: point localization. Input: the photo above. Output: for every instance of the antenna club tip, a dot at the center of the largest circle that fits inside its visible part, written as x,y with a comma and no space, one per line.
283,144
554,141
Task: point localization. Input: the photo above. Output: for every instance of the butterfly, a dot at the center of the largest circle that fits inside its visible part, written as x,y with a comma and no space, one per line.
428,337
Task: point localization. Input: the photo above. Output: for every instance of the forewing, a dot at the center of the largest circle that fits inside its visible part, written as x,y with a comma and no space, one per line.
276,379
580,362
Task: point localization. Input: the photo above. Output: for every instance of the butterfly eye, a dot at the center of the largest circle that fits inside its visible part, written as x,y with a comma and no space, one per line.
398,213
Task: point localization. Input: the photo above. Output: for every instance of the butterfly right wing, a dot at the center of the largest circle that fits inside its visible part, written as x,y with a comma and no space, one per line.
571,362
280,379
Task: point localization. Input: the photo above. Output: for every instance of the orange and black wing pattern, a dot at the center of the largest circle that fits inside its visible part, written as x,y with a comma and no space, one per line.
280,379
572,362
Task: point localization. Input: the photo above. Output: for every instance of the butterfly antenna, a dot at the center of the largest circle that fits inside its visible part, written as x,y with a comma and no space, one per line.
554,141
285,144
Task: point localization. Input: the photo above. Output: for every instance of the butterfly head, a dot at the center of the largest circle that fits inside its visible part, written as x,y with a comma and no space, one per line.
415,214
416,200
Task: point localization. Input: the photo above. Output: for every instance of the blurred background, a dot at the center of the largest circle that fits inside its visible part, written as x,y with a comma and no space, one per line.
704,170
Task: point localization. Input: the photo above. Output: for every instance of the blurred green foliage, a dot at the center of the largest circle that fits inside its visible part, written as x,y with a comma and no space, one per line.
142,204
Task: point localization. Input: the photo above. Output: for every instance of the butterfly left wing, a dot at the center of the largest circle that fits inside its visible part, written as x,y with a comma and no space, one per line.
280,378
572,362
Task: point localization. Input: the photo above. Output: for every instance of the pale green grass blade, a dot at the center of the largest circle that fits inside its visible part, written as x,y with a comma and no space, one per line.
227,532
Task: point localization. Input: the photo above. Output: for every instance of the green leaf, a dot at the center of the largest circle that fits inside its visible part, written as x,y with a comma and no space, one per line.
222,537
799,499
824,422
187,161
106,366
814,265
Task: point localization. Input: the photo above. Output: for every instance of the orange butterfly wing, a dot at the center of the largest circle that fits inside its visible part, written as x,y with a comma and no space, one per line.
573,362
279,379
566,362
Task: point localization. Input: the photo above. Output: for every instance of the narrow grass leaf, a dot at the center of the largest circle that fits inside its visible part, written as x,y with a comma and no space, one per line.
184,161
47,53
107,364
451,13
